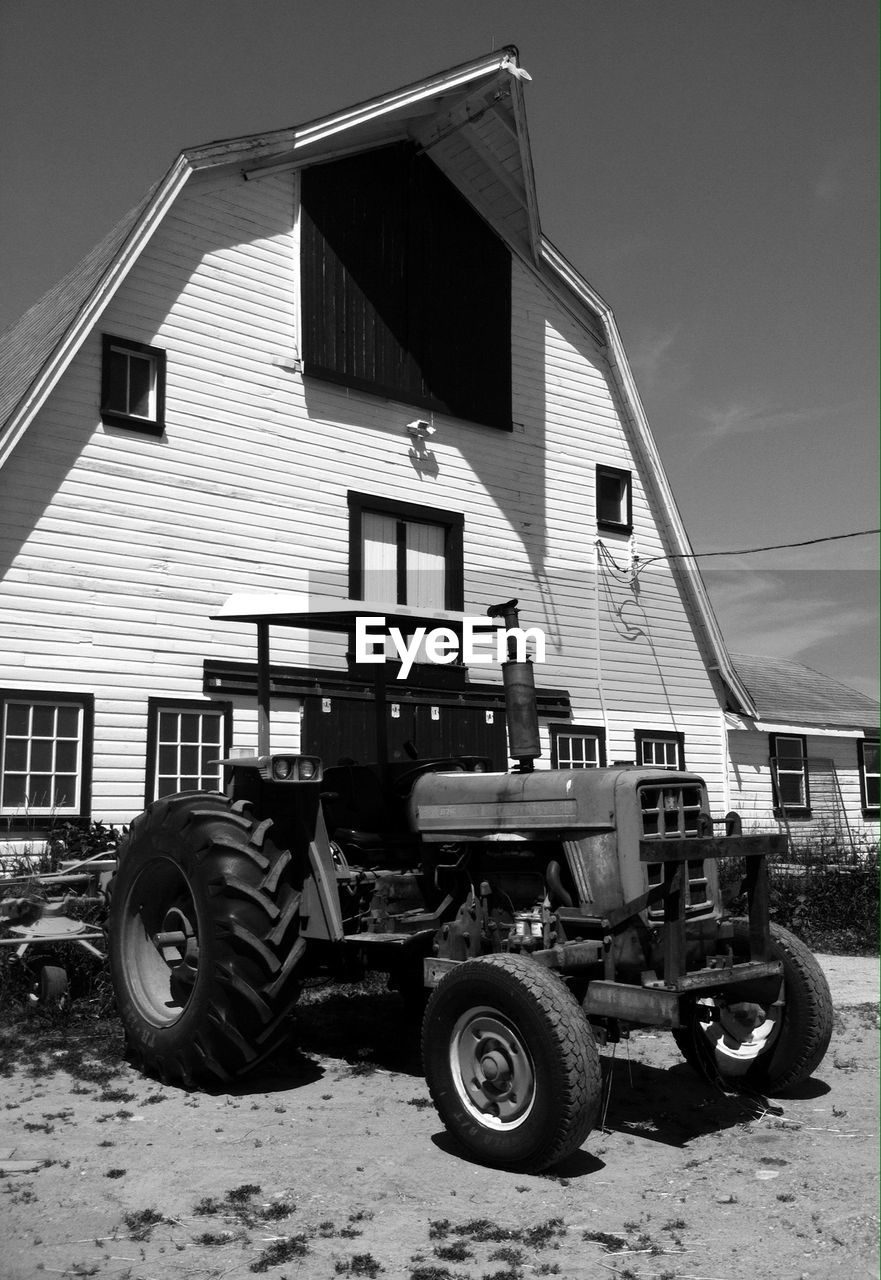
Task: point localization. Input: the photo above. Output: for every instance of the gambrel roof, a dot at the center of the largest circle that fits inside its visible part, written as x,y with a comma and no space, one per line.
471,120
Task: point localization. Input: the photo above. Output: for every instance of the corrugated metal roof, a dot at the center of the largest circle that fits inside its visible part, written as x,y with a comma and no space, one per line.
791,693
27,345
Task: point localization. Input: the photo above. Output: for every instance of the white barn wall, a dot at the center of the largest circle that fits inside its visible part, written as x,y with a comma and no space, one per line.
117,547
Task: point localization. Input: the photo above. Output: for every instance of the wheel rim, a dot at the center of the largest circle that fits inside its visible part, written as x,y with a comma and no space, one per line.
740,1034
492,1069
160,942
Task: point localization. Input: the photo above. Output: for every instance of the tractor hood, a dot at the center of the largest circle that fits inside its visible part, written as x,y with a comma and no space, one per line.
546,804
511,806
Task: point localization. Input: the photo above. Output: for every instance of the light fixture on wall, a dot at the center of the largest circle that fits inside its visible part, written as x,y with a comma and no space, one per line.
420,429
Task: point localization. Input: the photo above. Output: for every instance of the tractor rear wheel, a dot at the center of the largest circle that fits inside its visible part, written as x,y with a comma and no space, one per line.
774,1048
511,1062
203,938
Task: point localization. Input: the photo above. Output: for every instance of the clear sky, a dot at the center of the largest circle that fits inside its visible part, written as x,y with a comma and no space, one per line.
708,165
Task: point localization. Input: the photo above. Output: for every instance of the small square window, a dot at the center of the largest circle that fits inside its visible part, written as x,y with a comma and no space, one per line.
613,494
132,386
575,746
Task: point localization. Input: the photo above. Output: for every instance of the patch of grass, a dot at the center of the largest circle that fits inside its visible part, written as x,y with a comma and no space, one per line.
611,1243
140,1224
273,1212
482,1231
364,1264
419,1103
455,1252
115,1173
539,1237
207,1206
214,1237
507,1253
116,1095
281,1251
242,1194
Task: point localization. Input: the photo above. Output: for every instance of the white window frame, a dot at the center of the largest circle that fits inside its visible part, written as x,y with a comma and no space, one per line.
869,809
622,522
802,807
160,707
30,807
152,421
671,743
566,741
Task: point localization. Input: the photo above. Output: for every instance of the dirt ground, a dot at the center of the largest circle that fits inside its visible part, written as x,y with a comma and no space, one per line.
332,1162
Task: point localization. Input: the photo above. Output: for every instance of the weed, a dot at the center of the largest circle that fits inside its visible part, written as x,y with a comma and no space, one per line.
439,1229
116,1095
281,1251
786,1197
540,1236
272,1212
141,1223
115,1173
208,1205
675,1224
548,1269
419,1103
214,1237
455,1252
153,1099
364,1264
242,1194
612,1244
481,1230
507,1253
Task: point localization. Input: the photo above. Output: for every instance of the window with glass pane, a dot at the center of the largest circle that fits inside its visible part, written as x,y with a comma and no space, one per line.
188,746
132,385
42,757
577,750
663,752
789,766
870,780
404,561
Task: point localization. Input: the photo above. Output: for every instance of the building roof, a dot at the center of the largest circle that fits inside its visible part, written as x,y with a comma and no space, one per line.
788,692
471,120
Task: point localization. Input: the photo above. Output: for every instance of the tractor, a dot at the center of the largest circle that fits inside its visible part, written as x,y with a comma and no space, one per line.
535,914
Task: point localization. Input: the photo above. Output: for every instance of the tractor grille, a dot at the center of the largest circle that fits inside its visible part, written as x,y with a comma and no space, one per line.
671,813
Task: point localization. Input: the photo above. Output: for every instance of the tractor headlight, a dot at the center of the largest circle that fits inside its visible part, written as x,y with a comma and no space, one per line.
282,768
307,769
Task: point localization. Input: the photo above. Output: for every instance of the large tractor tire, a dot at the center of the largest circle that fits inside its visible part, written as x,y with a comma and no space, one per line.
203,938
771,1049
511,1063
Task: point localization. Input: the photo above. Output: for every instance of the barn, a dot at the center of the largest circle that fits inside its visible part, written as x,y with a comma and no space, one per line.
342,359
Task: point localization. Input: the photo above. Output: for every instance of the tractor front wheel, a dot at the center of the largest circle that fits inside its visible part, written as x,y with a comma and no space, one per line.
203,938
772,1048
511,1063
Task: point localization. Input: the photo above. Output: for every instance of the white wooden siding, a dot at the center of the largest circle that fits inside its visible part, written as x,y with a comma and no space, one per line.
752,791
116,547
